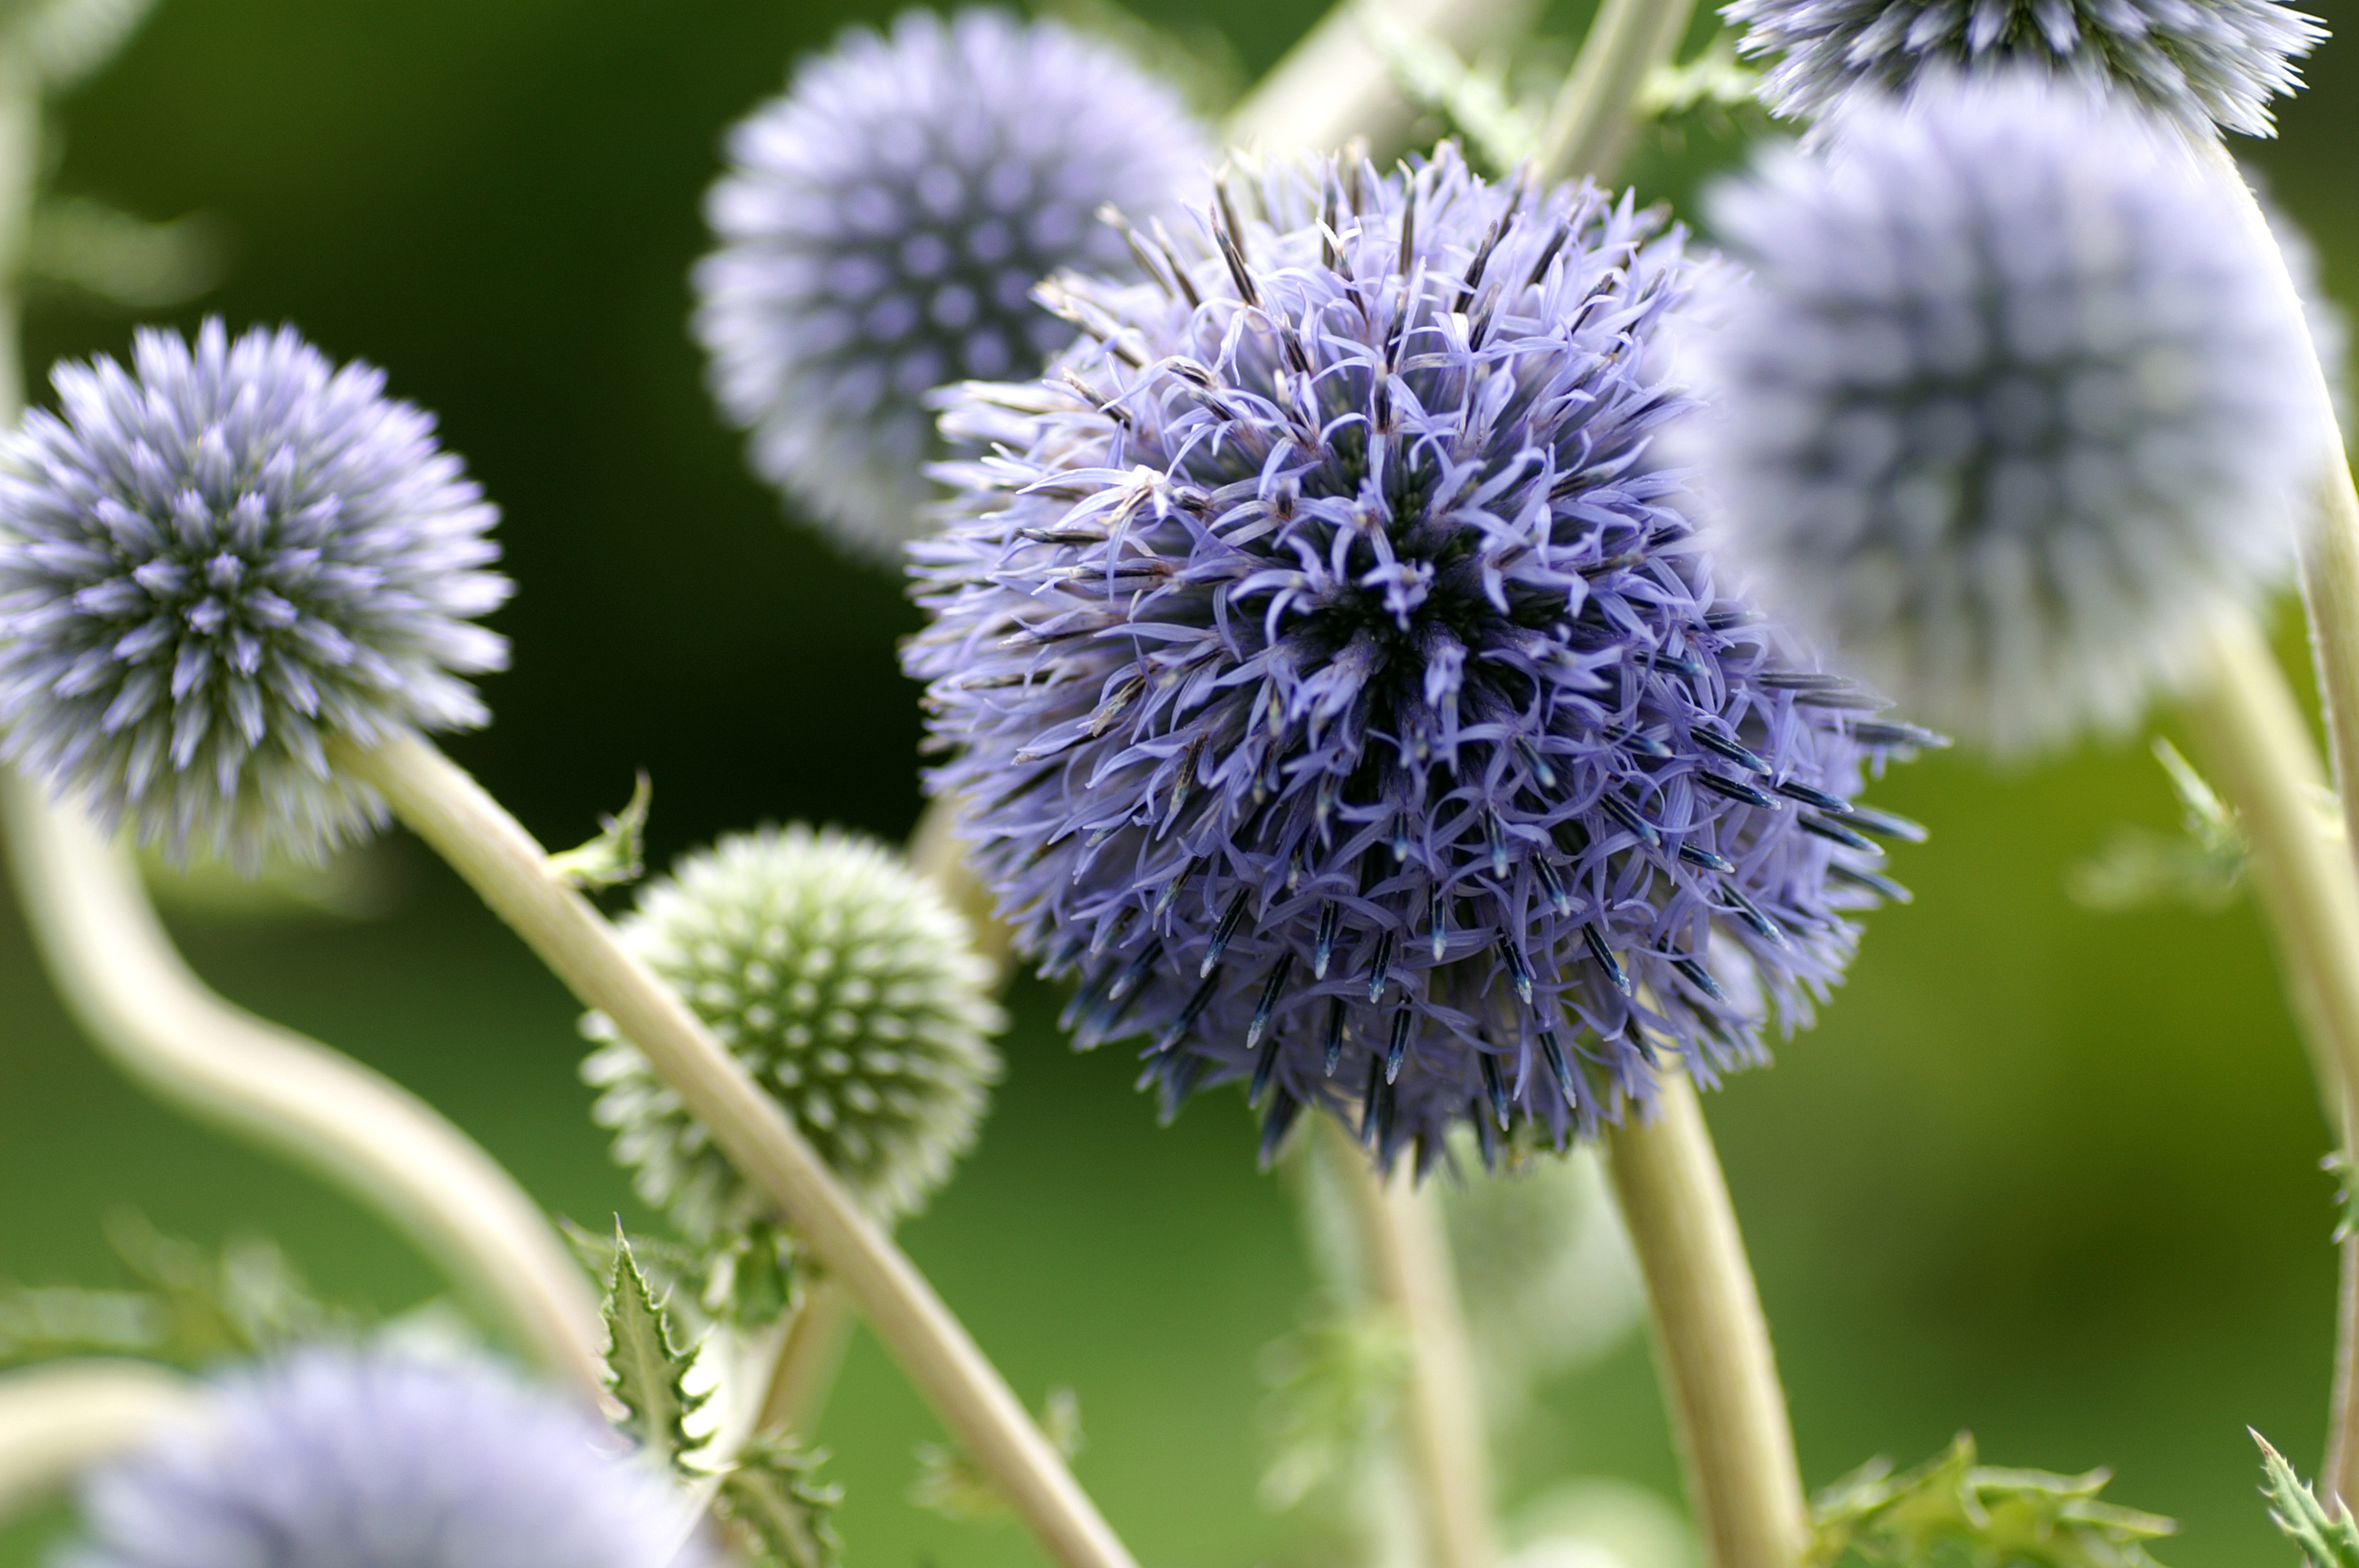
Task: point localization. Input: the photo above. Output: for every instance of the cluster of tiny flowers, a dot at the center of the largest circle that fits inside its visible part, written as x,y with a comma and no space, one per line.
2202,63
2008,414
373,1461
847,985
1338,688
882,228
212,564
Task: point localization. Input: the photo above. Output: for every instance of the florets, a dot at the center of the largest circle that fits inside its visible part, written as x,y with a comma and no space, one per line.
2204,63
846,985
371,1461
881,230
212,563
2009,413
1338,690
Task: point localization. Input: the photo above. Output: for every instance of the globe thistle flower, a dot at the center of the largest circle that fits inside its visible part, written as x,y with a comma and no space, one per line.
379,1462
882,226
2203,63
2008,414
1338,690
846,985
214,561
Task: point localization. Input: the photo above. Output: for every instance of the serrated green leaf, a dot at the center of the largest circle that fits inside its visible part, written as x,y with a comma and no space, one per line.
618,855
646,1369
774,1493
2328,1540
952,1485
1334,1386
1951,1507
2201,867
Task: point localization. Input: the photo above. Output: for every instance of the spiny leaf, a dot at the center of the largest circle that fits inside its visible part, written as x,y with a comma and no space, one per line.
1950,1508
646,1371
774,1493
952,1485
2328,1540
618,855
747,1278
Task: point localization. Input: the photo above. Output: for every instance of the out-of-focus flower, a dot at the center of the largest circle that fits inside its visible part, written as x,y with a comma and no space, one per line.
212,563
1337,687
881,229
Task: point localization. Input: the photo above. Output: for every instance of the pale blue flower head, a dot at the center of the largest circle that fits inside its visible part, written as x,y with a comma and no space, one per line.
1337,687
215,560
882,226
339,1458
2204,63
2010,413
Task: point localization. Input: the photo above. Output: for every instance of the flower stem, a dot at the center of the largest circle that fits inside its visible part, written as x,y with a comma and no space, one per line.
808,1360
510,871
57,1418
117,969
1407,1253
2253,739
1589,125
1711,1341
1336,84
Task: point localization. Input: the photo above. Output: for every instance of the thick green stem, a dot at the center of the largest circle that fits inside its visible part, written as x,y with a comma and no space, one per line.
58,1418
511,872
1589,125
126,984
1711,1343
1407,1253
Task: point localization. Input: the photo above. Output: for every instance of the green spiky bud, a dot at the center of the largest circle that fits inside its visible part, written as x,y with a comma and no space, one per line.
848,987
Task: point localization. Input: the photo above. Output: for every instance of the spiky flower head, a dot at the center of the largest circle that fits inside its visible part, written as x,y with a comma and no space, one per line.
1338,690
2010,413
217,560
368,1460
849,988
2204,63
882,226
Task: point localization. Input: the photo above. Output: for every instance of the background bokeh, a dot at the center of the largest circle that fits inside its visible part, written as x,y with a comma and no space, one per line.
2041,1173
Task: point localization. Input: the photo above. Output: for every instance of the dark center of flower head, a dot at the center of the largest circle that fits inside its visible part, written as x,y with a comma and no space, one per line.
1344,692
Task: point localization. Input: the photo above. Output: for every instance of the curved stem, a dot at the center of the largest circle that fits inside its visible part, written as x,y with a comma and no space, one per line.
936,850
1407,1253
55,1419
1336,84
510,871
1589,125
808,1357
1711,1343
117,970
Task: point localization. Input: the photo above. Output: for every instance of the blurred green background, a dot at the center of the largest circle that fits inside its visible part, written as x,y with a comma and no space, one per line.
2045,1175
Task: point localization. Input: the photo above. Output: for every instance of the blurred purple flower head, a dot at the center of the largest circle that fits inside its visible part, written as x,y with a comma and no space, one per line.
372,1461
213,562
1337,687
2010,412
882,227
2204,63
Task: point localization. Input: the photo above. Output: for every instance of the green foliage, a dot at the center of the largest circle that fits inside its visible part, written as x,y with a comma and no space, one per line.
618,855
2328,1540
180,1304
749,1278
775,1494
2201,867
1500,130
950,1484
1715,79
1952,1511
1334,1386
645,1369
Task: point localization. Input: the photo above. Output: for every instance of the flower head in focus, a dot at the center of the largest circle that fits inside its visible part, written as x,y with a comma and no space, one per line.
847,985
881,229
2009,413
375,1460
1338,688
214,561
2204,63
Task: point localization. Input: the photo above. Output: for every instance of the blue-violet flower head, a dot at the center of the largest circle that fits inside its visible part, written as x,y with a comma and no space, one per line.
369,1460
2204,63
212,563
2010,412
1336,686
881,229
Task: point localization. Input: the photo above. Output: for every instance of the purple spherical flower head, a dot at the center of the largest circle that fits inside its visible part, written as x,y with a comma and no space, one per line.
367,1460
2008,416
1338,690
2202,63
214,561
881,230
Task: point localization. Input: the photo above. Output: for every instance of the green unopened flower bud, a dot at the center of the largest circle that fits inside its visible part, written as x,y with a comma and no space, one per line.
847,985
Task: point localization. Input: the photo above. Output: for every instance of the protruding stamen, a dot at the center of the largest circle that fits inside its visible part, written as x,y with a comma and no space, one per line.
1595,940
1495,835
1265,1065
1331,1037
1884,887
1643,745
1560,1069
1538,766
1128,981
1170,893
1188,1015
1276,1125
1732,789
1622,811
1699,977
1271,991
1368,1097
1381,966
1518,970
1553,884
1873,732
1886,825
1403,1019
1178,1083
1719,745
1230,918
1495,1086
1322,945
1437,920
1637,1036
1833,805
1400,838
1836,833
1695,854
1110,930
1763,926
